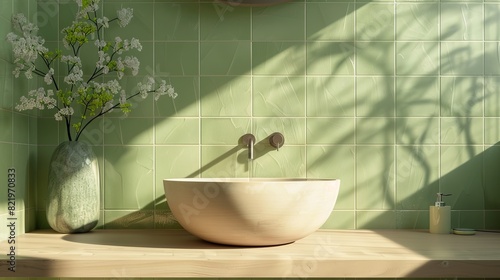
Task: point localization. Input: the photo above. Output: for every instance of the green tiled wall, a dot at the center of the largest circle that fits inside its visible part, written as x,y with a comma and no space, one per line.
398,99
17,137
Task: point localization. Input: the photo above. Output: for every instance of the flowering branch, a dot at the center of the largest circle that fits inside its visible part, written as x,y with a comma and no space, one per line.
93,96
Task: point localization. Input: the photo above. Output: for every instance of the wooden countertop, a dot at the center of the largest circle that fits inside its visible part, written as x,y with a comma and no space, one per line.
325,253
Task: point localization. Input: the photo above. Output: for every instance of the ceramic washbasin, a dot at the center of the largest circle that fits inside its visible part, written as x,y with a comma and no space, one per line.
251,212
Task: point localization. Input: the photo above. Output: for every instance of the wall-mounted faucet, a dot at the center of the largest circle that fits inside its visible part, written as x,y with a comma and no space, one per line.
277,140
249,141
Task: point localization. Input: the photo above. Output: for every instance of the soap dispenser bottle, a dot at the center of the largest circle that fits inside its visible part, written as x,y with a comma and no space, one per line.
440,216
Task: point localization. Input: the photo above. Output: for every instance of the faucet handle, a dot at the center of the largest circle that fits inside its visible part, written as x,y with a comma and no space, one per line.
247,139
277,140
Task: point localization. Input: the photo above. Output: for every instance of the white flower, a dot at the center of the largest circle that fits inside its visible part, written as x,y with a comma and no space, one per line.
103,60
123,97
58,116
132,44
113,86
95,98
145,88
90,7
65,111
48,76
108,106
132,63
104,21
135,44
75,76
71,59
124,16
37,98
100,43
164,89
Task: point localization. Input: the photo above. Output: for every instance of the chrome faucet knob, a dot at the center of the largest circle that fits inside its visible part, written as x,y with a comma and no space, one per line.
277,140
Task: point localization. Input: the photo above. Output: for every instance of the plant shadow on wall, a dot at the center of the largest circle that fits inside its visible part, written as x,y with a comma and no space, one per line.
405,138
400,131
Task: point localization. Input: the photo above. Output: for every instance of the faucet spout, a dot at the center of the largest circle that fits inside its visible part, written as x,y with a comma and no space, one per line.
250,149
249,141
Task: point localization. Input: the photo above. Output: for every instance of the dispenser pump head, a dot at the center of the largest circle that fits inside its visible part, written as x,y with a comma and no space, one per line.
439,201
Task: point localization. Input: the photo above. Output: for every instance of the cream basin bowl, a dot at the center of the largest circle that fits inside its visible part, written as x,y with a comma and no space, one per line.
251,212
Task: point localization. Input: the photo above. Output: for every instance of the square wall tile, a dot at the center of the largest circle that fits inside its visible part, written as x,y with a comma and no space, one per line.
412,219
224,131
288,162
225,162
6,123
225,58
6,163
417,131
375,58
186,104
293,129
279,96
417,21
462,176
330,96
491,157
462,96
379,131
491,97
128,180
176,21
330,131
376,219
462,130
177,58
417,58
375,22
21,131
48,132
491,24
278,58
141,25
175,162
470,219
127,131
20,162
177,131
7,9
277,23
335,162
226,96
7,87
340,219
491,220
468,28
375,97
462,58
417,176
417,97
492,131
491,59
44,154
219,22
330,58
375,167
330,21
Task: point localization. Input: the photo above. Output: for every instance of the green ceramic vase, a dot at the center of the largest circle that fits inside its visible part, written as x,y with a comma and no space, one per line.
73,190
